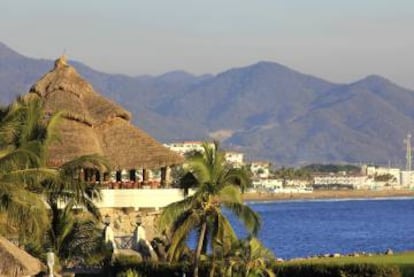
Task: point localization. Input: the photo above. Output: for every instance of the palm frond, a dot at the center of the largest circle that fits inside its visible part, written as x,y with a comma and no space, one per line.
180,234
224,234
52,128
199,168
29,176
257,250
171,212
18,158
230,194
23,208
246,215
239,177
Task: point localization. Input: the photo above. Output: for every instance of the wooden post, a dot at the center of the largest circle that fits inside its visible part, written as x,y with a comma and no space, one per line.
81,175
118,175
132,175
106,176
98,176
144,177
165,177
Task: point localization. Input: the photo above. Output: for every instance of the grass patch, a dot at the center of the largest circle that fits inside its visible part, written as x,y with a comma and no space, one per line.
405,261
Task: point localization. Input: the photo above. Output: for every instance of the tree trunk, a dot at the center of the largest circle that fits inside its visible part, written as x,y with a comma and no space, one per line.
199,247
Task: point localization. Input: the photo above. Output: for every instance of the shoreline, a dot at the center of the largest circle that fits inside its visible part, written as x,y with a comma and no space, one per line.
327,194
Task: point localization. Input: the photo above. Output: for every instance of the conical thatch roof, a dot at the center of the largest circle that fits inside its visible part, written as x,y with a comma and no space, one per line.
17,262
93,124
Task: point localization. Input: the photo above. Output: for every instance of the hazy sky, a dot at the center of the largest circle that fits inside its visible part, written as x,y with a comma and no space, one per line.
339,40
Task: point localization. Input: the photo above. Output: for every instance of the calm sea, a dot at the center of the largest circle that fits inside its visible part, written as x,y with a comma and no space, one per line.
303,228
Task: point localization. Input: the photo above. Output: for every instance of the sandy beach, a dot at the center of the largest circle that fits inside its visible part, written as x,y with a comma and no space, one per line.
324,194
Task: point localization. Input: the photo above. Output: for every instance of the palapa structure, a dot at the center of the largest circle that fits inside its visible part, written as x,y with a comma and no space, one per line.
92,124
17,262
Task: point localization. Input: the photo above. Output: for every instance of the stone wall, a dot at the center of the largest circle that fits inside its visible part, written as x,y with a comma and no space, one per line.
123,220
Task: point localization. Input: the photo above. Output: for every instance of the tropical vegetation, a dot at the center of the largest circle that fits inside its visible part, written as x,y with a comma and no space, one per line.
37,202
219,186
48,208
249,258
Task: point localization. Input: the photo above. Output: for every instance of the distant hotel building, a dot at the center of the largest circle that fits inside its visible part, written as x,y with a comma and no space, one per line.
373,171
185,147
407,178
235,158
351,181
369,178
260,169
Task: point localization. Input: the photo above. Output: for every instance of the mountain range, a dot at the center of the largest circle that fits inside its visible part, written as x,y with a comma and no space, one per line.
265,110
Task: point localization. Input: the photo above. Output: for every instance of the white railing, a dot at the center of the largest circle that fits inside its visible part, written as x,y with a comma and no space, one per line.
139,198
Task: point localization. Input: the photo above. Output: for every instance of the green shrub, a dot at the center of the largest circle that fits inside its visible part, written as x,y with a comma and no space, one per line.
126,260
154,269
336,270
128,273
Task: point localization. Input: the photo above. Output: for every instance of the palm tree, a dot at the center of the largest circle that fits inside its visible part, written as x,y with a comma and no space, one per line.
27,185
218,186
22,133
249,258
63,193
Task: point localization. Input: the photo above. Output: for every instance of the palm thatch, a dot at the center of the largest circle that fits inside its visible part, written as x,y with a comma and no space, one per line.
92,124
16,262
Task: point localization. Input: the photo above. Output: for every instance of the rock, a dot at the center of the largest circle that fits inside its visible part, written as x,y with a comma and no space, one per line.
335,255
279,260
389,252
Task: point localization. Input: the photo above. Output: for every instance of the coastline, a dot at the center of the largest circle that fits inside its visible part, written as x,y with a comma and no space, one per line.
327,194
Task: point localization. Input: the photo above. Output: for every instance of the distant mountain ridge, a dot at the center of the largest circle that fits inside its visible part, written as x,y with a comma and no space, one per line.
266,110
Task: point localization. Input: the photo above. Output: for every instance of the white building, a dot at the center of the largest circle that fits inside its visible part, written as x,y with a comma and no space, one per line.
297,183
269,184
407,178
260,169
356,181
234,158
373,171
185,147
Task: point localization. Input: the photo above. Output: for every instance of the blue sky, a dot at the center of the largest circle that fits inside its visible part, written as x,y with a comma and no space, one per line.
341,41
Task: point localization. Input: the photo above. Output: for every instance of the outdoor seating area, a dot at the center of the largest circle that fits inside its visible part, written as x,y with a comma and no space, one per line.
132,185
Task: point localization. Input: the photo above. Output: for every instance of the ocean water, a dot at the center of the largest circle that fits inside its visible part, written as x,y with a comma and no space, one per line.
304,228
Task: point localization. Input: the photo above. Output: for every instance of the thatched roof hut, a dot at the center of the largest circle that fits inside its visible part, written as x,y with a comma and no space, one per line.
17,262
93,124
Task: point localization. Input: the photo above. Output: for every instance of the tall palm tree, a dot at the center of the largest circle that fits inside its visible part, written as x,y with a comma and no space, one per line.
218,186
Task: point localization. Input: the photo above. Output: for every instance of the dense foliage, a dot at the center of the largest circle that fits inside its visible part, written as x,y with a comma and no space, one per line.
27,184
331,168
292,173
384,178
